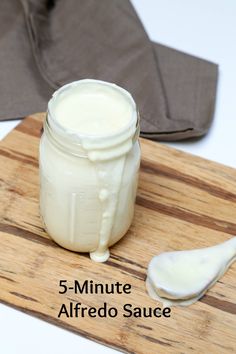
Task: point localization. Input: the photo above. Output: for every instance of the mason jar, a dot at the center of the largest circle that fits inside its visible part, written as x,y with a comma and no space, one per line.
88,182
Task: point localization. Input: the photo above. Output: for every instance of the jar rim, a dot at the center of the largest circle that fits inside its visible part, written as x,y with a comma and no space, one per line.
87,144
76,148
78,136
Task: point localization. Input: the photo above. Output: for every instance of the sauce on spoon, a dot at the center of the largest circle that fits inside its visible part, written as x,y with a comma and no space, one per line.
183,277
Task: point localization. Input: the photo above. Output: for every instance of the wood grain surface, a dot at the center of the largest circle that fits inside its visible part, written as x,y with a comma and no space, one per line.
183,202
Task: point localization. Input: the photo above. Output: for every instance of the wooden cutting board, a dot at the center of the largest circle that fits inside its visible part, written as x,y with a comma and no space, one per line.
183,202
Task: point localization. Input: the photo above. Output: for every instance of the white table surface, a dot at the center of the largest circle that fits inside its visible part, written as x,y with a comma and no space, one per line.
205,28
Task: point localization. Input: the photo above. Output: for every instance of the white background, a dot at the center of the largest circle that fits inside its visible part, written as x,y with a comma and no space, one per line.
205,28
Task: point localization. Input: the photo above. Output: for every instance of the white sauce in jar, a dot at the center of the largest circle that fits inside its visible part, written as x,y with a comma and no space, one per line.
93,109
93,194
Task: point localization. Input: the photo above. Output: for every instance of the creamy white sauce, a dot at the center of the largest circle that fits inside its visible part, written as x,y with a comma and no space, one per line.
93,109
104,118
183,277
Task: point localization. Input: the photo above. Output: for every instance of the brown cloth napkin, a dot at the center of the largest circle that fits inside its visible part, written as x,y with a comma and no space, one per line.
45,44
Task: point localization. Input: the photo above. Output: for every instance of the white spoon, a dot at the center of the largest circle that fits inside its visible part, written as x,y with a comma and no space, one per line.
182,277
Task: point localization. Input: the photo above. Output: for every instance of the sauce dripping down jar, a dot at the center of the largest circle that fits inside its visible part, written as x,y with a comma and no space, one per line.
89,162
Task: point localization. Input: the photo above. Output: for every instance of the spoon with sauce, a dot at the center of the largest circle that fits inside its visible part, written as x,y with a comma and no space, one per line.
183,277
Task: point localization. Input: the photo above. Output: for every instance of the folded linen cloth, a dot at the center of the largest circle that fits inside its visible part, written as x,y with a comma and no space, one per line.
45,44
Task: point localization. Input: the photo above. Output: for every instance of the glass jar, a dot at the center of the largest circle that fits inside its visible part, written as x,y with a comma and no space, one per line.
88,184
